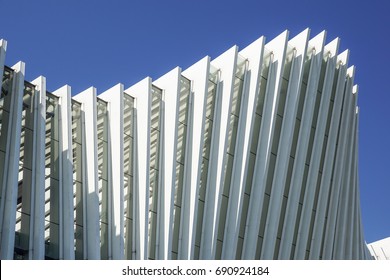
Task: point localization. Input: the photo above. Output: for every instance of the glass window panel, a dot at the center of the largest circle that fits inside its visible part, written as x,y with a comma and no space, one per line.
261,96
103,241
155,108
203,180
28,113
6,87
310,146
78,236
77,178
237,95
76,122
255,133
282,97
52,159
270,174
301,101
287,67
128,126
2,159
128,114
288,177
276,137
181,143
249,177
207,138
179,184
128,155
77,162
154,191
316,109
232,134
295,138
210,100
4,119
26,148
176,228
184,99
102,120
222,219
199,222
228,175
244,215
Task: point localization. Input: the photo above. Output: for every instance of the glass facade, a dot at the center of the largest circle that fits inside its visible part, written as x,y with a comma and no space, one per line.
258,114
78,189
52,178
238,87
181,128
23,209
207,134
128,174
5,103
154,173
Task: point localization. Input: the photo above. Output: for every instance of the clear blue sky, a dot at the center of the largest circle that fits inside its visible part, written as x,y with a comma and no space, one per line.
100,43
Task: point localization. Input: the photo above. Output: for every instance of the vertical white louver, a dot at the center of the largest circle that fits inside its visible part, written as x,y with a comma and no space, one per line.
251,155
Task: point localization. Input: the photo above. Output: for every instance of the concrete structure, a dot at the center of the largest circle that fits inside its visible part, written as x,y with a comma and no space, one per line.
251,155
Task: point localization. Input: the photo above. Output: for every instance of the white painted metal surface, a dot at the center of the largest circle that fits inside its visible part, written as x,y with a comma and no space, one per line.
251,155
11,165
87,99
66,171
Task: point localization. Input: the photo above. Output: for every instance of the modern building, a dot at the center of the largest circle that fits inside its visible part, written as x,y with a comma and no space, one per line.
380,250
251,155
